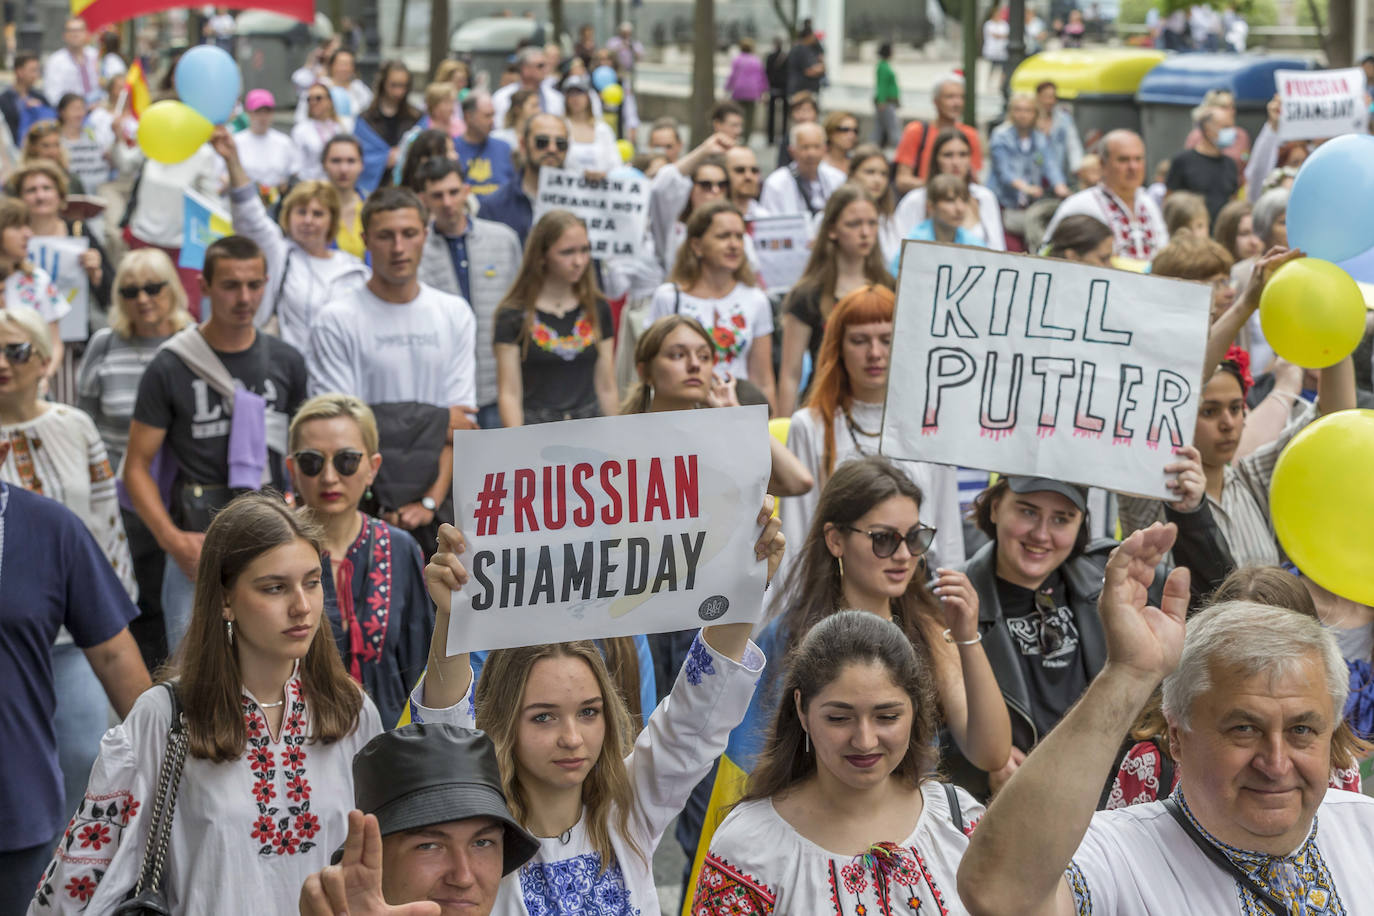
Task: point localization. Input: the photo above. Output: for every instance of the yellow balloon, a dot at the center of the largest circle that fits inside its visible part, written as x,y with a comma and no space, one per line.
1312,313
1322,501
626,149
613,95
170,131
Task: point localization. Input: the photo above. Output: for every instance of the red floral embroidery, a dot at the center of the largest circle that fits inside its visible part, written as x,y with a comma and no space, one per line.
260,759
284,769
293,757
94,836
264,791
285,843
307,825
129,811
264,828
298,789
81,887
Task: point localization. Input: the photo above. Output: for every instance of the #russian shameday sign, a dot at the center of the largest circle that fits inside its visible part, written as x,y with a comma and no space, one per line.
608,527
1317,104
1043,367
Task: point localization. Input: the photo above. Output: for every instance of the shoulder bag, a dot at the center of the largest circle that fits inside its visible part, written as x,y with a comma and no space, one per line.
149,896
1263,894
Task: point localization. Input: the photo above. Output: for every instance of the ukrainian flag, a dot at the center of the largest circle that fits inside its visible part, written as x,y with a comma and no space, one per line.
205,222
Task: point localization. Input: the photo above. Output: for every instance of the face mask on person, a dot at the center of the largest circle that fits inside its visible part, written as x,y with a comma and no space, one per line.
1226,137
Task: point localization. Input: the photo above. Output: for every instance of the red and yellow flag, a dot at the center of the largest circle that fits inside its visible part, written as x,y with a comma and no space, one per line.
100,13
136,85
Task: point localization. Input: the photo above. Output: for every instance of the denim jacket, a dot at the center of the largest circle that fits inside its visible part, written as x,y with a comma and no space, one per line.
1038,166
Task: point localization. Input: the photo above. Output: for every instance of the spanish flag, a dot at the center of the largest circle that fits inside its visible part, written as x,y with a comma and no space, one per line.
100,13
136,89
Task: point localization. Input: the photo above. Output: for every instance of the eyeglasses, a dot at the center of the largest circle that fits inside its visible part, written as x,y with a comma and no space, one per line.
16,354
745,170
1050,629
152,289
712,185
543,141
846,130
311,462
316,98
885,540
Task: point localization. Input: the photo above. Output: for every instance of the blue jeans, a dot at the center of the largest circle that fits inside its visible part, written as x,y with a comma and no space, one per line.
20,870
178,594
81,719
489,417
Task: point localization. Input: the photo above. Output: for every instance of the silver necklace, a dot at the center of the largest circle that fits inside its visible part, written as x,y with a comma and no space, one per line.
281,702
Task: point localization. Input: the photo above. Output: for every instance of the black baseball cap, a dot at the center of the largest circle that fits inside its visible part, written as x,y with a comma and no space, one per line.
423,774
1070,491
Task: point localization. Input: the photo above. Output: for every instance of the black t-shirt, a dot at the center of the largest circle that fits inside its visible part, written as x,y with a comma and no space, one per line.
801,58
1051,654
1216,178
804,304
559,369
393,127
173,398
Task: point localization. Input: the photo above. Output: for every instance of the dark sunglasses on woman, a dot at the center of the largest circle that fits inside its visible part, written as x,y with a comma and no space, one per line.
16,354
885,540
311,462
152,289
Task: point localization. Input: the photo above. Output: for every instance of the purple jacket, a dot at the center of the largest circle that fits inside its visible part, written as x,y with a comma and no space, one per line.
747,81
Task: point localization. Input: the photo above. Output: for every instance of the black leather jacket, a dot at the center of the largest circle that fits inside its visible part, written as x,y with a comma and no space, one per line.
1200,547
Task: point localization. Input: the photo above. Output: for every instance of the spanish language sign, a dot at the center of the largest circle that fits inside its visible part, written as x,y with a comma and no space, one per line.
609,527
1043,367
1321,103
614,209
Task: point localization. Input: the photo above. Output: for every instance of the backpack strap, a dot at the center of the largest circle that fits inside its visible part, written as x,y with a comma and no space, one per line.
956,813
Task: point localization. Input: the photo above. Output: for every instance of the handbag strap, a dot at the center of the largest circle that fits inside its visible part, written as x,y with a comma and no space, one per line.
1220,859
164,806
956,813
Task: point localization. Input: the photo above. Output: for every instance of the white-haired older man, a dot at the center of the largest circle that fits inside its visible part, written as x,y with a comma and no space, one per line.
1252,695
1120,200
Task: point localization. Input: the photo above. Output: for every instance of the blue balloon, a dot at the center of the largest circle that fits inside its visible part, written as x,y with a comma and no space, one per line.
1360,267
208,80
1329,212
604,76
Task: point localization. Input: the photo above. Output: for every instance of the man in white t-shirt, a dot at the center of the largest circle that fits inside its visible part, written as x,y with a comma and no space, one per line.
268,156
801,186
398,340
533,64
1251,696
75,67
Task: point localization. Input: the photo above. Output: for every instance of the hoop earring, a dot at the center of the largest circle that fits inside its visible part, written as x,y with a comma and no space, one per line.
229,630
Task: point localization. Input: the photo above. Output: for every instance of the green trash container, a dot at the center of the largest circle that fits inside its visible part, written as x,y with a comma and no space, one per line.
1098,83
271,47
1170,92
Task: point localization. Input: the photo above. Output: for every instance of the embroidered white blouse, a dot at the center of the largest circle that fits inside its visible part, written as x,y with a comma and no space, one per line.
1138,861
685,734
245,835
759,864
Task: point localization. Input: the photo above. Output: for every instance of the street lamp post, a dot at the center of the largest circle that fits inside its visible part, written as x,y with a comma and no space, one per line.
30,36
370,60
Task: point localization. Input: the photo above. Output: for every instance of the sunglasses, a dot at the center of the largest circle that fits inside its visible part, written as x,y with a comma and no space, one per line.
16,354
846,130
311,463
712,185
152,289
885,540
745,170
1050,631
543,141
316,98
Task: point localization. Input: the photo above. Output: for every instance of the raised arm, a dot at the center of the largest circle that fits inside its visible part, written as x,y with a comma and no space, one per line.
447,677
1053,794
1228,324
733,638
1336,387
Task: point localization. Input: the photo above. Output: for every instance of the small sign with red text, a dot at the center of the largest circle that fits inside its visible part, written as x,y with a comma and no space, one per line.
1317,104
617,526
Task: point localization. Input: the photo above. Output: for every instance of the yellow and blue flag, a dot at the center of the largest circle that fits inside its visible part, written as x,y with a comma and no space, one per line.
205,222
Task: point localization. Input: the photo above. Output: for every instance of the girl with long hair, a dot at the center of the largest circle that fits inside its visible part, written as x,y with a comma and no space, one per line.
304,273
843,812
591,142
842,417
311,132
1082,238
390,114
598,801
713,283
553,335
272,722
951,154
870,169
845,256
25,283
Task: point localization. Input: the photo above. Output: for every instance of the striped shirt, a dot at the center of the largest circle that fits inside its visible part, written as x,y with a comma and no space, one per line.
1242,513
107,384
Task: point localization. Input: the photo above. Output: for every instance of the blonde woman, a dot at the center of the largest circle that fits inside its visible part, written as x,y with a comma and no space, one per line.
598,803
303,272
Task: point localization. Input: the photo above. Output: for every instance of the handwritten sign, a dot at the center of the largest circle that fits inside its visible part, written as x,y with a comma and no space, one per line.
609,527
1321,103
60,258
614,209
1043,367
783,245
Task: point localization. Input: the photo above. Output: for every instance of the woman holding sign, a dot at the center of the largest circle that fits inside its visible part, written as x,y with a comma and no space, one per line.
554,331
713,283
561,731
846,256
843,813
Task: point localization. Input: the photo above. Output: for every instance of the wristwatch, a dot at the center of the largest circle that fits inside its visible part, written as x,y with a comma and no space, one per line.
429,504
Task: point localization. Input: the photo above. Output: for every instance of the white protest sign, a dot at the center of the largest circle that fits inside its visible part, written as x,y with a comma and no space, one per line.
614,209
1043,367
608,527
60,258
1321,103
783,245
